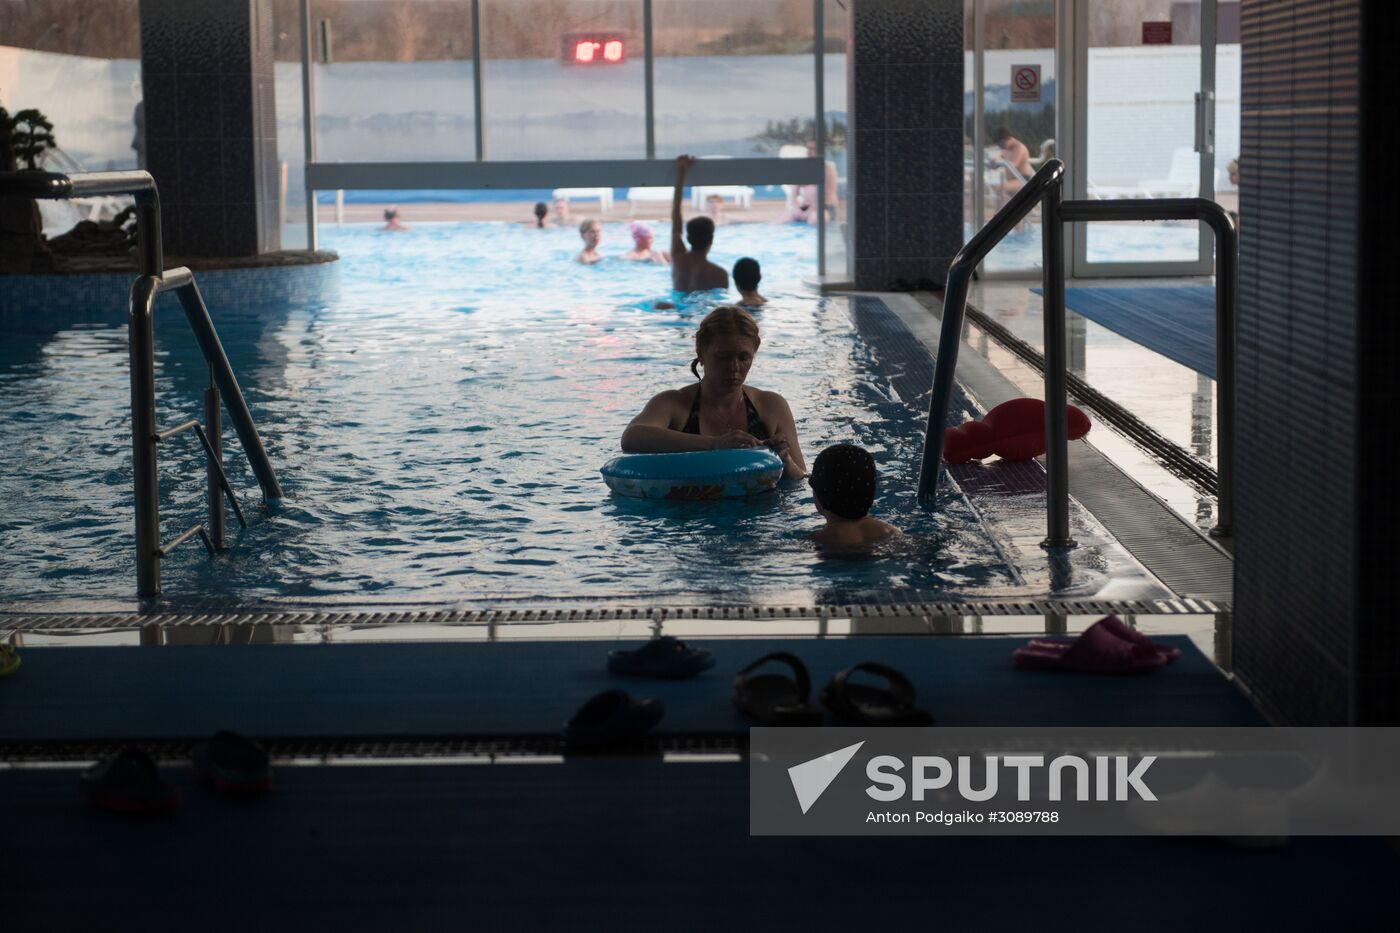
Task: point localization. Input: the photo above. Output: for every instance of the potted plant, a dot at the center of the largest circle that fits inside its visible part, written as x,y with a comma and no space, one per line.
24,138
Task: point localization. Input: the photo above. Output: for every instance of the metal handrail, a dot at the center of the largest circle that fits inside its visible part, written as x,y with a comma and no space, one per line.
153,280
1046,189
955,305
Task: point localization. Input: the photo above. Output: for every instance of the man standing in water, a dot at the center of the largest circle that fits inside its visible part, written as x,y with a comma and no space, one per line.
691,269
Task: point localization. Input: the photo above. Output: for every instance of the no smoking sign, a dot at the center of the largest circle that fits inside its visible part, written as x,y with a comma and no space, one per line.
1025,84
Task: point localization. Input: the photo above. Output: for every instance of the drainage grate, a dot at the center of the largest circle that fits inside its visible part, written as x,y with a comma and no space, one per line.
77,622
327,750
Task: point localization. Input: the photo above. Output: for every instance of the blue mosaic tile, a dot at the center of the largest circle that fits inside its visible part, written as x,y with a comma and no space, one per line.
910,96
105,296
872,225
871,162
946,95
871,94
911,163
910,226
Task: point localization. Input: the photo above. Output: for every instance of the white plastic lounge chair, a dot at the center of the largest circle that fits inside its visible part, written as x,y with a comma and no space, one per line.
790,191
604,196
742,195
1115,192
1184,179
648,195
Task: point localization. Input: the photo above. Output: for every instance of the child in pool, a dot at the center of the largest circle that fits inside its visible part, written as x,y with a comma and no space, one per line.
843,487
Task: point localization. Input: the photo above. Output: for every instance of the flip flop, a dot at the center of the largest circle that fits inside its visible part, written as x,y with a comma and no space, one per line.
666,657
9,660
611,720
1124,631
128,782
1097,651
1119,629
865,705
776,699
233,764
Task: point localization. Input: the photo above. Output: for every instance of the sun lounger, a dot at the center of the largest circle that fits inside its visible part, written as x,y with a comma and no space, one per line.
647,195
604,196
741,195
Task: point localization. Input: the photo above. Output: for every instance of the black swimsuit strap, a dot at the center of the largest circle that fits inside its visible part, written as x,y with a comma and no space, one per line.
755,425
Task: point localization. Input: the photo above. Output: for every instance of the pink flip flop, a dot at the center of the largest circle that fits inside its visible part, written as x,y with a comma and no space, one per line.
1120,629
1099,650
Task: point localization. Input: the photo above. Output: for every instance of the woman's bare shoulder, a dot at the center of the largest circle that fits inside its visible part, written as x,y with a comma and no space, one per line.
675,398
766,400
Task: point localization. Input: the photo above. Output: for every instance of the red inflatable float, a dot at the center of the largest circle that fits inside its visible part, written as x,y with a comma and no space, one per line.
1014,430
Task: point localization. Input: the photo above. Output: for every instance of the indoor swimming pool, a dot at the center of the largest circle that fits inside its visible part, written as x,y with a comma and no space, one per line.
438,422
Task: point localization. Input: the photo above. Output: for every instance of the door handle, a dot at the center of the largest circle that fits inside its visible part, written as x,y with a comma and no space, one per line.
1205,122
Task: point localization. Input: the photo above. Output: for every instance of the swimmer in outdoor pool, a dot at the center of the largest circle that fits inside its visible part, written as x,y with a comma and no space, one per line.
746,278
843,489
541,221
642,250
392,222
719,411
591,232
691,269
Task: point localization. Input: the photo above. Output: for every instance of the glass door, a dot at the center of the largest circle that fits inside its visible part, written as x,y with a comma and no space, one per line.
1144,128
1010,59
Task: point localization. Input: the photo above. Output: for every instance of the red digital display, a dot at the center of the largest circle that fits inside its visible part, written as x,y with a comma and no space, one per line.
593,48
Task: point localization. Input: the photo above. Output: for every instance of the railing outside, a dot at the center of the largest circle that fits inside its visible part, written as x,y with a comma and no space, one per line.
1046,189
145,437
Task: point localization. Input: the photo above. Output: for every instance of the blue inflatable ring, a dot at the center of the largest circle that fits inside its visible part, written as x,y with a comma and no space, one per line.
698,474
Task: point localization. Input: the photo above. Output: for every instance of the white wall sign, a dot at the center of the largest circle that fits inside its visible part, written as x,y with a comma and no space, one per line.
1025,84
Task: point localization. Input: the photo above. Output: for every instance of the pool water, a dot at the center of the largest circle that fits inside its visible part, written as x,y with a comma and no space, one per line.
438,425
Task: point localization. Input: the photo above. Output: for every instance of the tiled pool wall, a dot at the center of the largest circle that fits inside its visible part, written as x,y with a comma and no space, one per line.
105,296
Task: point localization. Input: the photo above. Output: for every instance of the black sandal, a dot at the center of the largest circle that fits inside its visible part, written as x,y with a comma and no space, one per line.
776,699
865,705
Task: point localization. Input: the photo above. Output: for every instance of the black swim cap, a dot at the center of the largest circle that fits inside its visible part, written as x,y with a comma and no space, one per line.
843,479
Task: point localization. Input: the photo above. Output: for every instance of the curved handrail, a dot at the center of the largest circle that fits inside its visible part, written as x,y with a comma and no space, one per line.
955,306
153,280
57,186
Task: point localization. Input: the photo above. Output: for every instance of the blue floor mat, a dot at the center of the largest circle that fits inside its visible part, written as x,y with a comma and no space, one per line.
1177,322
620,845
485,689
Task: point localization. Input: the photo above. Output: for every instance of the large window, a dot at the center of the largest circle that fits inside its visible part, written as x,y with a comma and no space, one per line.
393,80
1010,116
734,77
564,79
79,63
407,96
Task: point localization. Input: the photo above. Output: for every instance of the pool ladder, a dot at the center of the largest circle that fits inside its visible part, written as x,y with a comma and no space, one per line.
223,389
1045,188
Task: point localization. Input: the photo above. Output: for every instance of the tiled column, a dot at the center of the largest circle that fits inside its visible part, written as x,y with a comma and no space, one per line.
211,126
907,77
1319,387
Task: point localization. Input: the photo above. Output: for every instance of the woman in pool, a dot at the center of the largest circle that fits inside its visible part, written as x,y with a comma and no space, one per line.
719,411
642,250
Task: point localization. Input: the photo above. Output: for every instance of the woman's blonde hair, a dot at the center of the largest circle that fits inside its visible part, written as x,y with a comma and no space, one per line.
724,321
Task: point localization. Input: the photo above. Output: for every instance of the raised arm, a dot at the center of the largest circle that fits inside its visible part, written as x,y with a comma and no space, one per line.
683,163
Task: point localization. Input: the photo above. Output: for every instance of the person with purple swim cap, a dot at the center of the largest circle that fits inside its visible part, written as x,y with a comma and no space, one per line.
641,246
843,489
